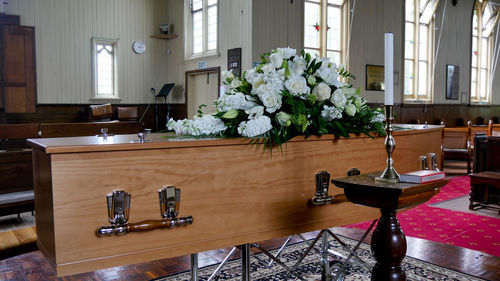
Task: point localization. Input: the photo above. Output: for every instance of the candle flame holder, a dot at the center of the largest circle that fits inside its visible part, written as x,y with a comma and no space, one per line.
389,175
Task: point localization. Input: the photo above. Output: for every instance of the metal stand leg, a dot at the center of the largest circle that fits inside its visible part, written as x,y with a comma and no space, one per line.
324,257
195,273
245,262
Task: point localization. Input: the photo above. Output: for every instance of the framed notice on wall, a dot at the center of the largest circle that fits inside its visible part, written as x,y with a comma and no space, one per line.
375,77
452,79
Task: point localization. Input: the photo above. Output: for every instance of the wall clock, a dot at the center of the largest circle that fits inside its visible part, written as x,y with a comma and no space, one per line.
139,47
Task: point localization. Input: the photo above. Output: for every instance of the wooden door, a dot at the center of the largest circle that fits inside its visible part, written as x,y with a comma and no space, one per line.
18,70
202,87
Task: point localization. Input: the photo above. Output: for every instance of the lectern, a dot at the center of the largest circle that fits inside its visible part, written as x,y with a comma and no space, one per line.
165,90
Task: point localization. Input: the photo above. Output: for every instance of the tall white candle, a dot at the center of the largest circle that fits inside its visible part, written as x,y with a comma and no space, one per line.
389,68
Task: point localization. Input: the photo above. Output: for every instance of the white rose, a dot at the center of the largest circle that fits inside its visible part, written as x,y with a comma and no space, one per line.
268,68
338,99
350,109
271,100
322,91
276,59
287,52
255,112
297,85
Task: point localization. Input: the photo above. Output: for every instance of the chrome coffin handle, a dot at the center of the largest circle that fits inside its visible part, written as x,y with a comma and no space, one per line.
322,183
119,209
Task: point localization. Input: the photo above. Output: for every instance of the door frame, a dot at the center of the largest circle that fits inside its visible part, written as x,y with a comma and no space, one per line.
196,72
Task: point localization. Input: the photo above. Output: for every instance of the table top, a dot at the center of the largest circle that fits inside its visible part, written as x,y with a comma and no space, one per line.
487,174
364,190
169,140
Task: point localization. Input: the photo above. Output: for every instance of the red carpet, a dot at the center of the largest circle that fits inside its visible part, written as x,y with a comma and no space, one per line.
451,227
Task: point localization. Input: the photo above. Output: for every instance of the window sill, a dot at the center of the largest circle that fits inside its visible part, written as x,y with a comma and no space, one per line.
106,98
207,55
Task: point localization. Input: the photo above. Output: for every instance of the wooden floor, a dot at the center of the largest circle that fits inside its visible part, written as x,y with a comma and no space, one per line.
32,266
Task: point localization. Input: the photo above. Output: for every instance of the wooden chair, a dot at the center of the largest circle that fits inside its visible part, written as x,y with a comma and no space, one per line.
485,181
127,113
493,129
457,144
102,112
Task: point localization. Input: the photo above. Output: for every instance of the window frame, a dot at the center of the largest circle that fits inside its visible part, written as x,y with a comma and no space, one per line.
95,94
323,49
188,30
478,99
428,96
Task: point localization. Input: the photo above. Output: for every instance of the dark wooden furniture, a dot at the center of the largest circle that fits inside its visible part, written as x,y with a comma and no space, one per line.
16,182
16,168
388,241
457,144
101,112
485,179
17,66
127,113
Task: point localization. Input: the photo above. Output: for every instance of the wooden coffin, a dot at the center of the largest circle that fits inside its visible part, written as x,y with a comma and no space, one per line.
236,192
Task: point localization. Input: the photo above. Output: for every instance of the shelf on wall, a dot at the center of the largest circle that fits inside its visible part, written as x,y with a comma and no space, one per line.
164,36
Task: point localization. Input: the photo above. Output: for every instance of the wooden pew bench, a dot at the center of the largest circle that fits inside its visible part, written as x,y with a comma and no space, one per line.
16,182
16,242
16,168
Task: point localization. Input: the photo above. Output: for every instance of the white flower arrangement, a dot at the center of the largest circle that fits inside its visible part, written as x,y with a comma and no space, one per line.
285,96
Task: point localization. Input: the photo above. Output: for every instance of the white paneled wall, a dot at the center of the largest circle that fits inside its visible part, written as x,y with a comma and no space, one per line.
64,29
235,30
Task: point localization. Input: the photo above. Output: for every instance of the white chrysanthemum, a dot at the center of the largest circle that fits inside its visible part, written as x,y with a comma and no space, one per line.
205,125
330,112
297,86
228,102
287,52
378,117
255,127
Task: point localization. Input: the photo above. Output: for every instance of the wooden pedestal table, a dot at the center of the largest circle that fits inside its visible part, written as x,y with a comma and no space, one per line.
388,241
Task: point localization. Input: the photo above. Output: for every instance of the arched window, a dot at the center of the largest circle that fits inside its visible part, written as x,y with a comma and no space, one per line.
419,49
484,20
326,28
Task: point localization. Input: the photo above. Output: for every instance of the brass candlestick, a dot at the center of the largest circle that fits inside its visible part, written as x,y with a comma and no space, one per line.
389,175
